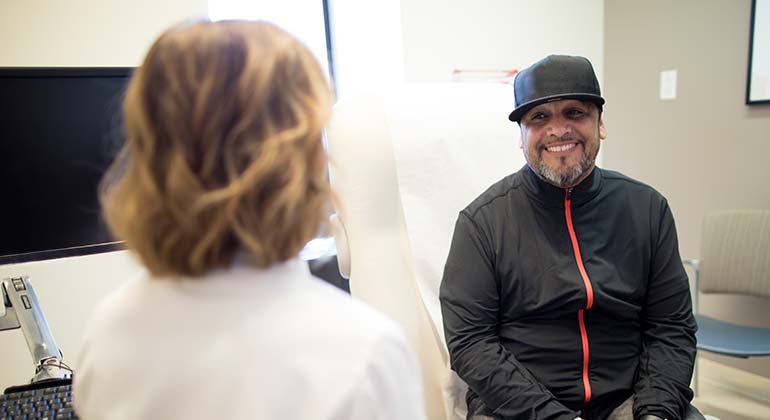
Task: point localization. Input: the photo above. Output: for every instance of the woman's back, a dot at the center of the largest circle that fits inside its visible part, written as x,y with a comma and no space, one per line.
242,343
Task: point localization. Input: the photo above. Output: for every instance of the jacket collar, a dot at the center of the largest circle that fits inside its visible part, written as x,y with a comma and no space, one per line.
553,196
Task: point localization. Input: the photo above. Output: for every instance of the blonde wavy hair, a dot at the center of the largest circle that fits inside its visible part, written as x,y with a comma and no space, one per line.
223,149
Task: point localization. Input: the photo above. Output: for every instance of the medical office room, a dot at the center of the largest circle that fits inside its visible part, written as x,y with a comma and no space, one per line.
425,87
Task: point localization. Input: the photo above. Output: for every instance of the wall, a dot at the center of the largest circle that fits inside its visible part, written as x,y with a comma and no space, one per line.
443,35
705,150
86,32
76,33
379,44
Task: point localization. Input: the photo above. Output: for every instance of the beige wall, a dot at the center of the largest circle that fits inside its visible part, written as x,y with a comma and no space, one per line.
86,32
443,35
706,150
379,44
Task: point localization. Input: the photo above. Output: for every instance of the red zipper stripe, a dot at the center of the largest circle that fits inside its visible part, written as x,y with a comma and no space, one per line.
584,339
578,258
589,293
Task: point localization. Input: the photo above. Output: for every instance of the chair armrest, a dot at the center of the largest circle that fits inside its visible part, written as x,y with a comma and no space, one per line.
695,265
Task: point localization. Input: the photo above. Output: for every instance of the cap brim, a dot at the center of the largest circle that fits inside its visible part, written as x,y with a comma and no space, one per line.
524,108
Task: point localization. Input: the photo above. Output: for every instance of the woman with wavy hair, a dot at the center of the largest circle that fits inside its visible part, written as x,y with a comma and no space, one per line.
219,185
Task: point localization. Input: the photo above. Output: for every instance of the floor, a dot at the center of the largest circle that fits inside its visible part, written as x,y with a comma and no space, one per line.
727,393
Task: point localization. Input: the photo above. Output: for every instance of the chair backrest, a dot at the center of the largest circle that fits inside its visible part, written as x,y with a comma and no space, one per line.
403,164
735,253
373,246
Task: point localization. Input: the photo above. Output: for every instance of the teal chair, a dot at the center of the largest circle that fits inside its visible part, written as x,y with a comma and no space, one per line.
735,259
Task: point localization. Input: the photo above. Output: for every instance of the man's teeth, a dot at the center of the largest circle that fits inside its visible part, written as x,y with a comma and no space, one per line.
561,148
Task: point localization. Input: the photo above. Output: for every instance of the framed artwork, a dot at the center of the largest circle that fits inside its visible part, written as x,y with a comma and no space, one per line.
758,82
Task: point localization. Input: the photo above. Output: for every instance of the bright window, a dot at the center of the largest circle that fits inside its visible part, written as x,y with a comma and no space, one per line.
302,18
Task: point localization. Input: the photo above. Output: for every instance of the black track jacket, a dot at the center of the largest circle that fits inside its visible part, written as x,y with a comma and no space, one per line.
558,303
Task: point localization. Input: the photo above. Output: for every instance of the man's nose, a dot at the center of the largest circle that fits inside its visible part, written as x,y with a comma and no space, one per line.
559,127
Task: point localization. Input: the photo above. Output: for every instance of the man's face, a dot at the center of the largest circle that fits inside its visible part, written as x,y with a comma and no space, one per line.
561,140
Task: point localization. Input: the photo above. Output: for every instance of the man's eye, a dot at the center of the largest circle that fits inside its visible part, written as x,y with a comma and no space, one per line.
537,116
575,112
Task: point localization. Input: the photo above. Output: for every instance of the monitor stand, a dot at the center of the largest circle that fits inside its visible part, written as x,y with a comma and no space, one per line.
22,310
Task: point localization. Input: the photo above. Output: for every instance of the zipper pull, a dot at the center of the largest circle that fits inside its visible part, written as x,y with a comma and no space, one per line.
568,192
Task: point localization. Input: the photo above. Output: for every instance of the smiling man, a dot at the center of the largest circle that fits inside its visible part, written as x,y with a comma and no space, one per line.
564,296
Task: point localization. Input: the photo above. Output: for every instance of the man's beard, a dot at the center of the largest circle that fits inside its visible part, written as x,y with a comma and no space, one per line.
569,177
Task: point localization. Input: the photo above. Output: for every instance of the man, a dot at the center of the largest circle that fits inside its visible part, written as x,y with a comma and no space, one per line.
564,295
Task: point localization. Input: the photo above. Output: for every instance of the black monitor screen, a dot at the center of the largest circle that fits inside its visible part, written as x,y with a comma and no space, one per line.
59,130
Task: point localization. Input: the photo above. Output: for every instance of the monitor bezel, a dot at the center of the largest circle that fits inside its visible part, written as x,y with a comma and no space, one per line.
64,72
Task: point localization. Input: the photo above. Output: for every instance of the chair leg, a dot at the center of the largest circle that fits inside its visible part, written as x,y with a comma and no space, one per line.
695,376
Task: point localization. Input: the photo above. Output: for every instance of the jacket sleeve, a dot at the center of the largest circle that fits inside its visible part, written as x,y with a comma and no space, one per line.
668,330
470,305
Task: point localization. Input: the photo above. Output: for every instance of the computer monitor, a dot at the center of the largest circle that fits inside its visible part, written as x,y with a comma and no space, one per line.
59,130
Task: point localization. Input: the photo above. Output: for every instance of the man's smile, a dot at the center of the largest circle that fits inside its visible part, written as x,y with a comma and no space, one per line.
561,148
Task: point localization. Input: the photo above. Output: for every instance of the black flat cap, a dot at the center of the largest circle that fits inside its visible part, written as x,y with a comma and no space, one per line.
553,78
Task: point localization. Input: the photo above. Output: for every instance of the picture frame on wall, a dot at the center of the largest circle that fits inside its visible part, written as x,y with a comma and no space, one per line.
758,81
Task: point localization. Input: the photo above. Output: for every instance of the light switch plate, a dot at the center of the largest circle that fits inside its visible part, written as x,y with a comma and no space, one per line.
667,85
